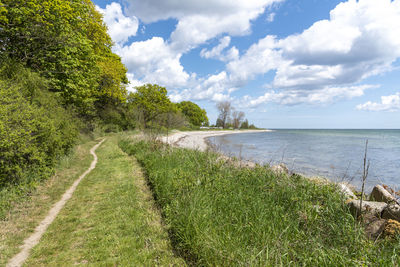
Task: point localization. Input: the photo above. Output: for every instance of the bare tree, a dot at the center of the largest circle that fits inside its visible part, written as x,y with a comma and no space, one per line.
225,109
237,118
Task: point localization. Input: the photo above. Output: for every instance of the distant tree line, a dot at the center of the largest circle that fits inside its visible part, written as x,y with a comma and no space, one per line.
229,117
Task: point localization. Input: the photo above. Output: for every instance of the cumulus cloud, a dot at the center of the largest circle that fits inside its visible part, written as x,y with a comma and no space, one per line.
326,62
157,60
199,21
217,51
155,10
120,27
153,61
294,97
215,88
359,40
388,103
258,59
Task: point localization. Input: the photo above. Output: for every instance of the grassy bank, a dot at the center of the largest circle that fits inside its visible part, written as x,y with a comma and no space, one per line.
111,220
23,208
221,215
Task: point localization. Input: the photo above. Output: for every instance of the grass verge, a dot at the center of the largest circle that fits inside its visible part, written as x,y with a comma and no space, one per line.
20,221
219,215
111,220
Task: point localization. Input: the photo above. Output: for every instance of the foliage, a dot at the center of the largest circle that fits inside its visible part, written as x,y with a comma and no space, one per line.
66,42
151,100
3,14
220,215
34,129
118,226
245,124
196,115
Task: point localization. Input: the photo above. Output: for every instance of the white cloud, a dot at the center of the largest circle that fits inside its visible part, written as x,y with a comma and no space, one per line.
133,82
271,17
325,62
294,97
120,27
215,88
360,39
388,103
153,61
217,51
258,59
199,21
155,10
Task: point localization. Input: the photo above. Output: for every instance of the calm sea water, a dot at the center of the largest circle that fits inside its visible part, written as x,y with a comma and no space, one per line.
335,154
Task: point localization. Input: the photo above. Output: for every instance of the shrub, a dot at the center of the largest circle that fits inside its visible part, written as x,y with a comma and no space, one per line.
34,129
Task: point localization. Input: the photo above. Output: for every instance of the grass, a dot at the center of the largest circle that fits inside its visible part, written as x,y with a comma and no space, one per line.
110,220
220,215
28,210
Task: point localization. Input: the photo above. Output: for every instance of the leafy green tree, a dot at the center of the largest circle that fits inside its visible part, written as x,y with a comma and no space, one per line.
66,42
151,100
219,123
196,115
245,124
3,13
34,129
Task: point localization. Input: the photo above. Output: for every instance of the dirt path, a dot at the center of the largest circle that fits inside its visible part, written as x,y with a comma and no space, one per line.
31,241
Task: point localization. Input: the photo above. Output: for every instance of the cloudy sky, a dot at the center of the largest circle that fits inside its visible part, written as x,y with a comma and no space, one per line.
285,63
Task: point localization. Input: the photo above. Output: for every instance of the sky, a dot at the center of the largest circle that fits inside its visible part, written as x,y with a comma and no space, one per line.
285,63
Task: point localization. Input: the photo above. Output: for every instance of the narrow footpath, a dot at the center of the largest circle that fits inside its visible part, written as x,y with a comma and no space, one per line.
33,240
111,218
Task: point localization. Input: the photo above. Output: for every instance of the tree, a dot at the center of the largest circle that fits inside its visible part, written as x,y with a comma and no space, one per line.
151,100
194,113
224,109
245,124
67,43
219,123
237,118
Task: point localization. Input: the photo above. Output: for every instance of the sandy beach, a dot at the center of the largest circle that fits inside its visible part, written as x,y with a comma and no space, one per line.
196,139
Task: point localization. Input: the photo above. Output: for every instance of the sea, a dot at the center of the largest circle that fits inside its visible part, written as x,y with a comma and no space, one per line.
334,154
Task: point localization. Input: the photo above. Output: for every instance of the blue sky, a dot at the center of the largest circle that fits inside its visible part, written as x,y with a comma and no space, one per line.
285,63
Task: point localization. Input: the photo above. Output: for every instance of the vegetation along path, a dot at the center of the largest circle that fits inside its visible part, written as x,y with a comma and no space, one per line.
111,220
33,240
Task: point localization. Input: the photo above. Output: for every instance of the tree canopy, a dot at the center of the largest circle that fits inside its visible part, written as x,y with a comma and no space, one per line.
151,100
66,42
196,115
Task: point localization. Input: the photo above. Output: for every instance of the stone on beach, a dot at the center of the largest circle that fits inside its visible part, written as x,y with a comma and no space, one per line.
379,193
346,191
369,207
374,226
280,169
392,211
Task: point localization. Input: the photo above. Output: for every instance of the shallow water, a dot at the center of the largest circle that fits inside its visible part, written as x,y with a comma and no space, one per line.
335,154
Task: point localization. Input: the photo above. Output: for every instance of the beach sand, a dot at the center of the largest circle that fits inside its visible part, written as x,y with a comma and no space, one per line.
196,139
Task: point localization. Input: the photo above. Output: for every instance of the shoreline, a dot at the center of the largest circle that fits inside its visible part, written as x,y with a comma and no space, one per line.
197,139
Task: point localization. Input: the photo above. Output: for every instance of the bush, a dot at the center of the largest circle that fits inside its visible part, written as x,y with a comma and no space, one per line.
34,129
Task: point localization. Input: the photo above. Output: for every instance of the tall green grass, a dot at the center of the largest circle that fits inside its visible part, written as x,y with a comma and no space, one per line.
220,215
